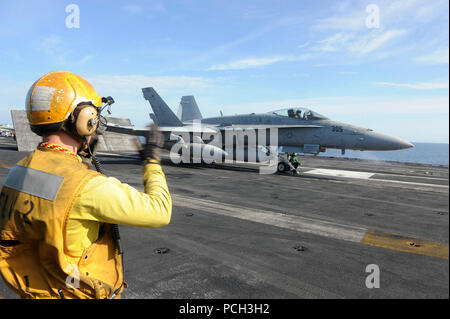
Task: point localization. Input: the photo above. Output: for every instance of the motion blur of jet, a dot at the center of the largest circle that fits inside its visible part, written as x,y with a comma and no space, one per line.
300,130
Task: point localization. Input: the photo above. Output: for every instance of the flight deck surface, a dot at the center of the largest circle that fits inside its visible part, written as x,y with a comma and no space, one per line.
236,233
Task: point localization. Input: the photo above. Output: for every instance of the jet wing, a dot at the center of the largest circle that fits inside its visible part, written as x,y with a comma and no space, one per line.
142,131
266,126
189,129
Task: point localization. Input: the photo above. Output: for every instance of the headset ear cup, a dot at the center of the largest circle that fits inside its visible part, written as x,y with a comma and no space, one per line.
87,121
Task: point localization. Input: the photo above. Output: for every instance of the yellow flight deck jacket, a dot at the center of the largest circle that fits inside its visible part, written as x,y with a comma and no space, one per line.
55,234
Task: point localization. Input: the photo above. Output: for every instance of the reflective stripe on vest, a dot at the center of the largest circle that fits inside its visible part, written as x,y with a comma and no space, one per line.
34,182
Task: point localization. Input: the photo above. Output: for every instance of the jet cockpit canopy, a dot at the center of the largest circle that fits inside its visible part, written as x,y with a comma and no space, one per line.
300,113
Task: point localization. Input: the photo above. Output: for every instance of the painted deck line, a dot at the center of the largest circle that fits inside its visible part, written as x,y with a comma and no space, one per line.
318,227
339,173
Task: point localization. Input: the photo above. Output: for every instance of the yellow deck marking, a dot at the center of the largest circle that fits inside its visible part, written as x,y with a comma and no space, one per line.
405,244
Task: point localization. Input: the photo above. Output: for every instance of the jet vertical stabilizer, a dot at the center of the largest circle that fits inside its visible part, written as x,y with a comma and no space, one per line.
188,109
164,115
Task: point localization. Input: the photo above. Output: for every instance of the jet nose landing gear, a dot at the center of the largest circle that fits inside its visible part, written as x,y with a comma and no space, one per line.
288,163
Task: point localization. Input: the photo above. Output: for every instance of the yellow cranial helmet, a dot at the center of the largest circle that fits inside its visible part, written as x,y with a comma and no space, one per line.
53,97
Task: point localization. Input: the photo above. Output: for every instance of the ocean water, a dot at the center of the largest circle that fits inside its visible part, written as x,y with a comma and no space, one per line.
428,153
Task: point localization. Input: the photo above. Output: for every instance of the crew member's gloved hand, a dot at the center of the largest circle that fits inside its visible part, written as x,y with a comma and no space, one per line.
152,148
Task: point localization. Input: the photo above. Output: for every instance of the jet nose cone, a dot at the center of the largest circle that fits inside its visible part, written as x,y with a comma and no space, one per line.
395,143
384,142
406,144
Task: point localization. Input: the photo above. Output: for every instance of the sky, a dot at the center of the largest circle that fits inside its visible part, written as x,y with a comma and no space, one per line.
376,64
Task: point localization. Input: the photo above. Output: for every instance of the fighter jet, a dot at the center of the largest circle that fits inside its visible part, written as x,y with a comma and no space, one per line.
312,132
300,129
